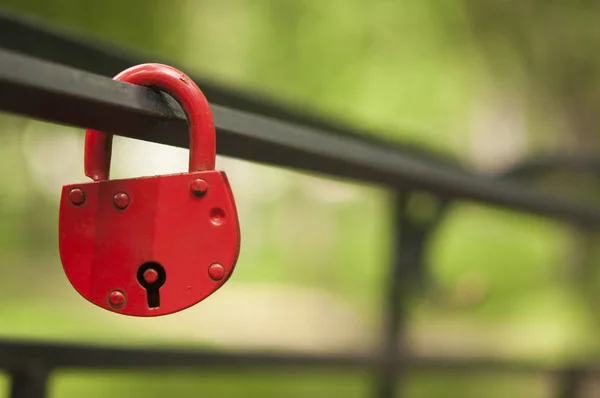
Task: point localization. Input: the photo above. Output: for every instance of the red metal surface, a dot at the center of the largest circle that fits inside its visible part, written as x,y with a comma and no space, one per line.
98,145
151,246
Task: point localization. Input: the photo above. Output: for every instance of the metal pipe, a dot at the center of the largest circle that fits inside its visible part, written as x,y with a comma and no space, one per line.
55,93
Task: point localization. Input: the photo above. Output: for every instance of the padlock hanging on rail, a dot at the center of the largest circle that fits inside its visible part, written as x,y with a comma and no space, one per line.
156,245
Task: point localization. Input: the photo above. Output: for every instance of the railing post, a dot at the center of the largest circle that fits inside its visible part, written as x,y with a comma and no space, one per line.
410,232
29,382
570,382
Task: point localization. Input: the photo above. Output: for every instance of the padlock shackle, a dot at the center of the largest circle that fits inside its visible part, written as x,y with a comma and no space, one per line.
98,145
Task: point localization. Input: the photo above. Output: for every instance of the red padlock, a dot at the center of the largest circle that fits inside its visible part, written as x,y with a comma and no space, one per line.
154,245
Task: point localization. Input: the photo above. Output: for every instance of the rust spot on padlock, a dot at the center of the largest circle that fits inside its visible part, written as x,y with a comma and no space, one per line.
133,248
116,299
198,186
77,196
216,271
121,200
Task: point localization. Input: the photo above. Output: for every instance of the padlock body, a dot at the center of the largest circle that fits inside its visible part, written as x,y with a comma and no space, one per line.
102,246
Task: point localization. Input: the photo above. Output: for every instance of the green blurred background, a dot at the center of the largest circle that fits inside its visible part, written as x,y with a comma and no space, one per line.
488,82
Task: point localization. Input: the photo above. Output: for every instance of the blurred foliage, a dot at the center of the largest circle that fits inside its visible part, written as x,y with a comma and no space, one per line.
417,72
551,48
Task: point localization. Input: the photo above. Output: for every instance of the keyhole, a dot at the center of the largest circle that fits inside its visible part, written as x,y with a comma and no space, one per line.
152,276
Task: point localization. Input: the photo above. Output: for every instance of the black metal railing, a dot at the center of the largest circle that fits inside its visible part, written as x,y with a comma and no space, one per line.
54,77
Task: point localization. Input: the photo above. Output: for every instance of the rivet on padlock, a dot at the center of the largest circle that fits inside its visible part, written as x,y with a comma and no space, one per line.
77,196
154,245
121,200
116,299
199,187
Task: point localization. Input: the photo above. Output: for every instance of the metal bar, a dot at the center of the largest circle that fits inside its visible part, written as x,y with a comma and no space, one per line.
394,311
570,383
64,355
31,36
386,378
409,240
60,94
537,166
29,382
53,355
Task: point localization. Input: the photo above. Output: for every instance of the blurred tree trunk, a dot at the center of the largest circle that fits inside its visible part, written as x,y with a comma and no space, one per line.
553,46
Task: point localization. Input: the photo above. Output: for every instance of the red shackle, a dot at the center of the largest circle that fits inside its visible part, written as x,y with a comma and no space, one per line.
98,145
